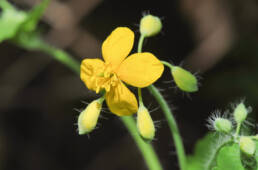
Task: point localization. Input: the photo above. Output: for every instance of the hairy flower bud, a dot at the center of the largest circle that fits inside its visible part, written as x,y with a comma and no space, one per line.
247,145
145,124
240,113
88,118
222,125
185,80
150,25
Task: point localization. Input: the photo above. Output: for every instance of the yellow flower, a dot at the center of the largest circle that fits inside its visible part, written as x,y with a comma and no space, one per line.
139,70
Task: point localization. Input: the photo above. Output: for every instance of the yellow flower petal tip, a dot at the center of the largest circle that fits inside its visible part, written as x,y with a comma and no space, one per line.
150,25
88,118
117,46
185,80
145,124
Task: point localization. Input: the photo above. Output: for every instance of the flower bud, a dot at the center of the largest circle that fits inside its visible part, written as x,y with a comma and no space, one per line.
150,25
222,125
88,118
240,113
247,145
145,124
185,80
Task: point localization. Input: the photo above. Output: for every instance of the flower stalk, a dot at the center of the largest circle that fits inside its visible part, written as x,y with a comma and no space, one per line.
172,125
146,149
168,114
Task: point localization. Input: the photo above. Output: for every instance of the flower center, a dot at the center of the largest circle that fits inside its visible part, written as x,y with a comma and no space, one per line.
106,79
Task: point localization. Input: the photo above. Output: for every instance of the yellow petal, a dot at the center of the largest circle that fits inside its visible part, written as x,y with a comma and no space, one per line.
91,69
140,69
121,101
117,46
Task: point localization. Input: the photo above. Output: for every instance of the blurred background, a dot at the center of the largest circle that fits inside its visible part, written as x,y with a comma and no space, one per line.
216,39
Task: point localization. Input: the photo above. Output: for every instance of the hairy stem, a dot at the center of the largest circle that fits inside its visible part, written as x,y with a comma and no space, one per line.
168,114
172,125
150,156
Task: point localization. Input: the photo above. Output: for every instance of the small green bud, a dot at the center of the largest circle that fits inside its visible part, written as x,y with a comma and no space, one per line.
222,125
247,145
88,118
185,80
240,113
150,25
145,124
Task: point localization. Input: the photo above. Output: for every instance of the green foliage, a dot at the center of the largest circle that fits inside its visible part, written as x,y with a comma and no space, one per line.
229,158
14,22
34,16
10,21
205,151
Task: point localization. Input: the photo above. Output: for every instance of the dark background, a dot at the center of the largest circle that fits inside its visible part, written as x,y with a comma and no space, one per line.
38,95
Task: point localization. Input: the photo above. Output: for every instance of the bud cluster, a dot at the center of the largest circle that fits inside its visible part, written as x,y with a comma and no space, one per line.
225,125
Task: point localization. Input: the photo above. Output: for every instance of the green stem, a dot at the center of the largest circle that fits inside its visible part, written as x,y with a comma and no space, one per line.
168,114
237,130
172,125
140,43
139,50
62,57
146,149
140,96
148,153
167,64
56,53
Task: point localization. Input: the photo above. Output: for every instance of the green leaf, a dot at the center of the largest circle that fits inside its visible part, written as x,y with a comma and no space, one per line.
229,158
34,16
10,22
205,152
14,22
4,4
256,152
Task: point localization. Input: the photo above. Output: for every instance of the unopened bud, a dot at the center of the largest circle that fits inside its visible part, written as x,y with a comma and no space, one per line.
145,124
240,113
247,145
88,118
222,125
185,80
150,25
